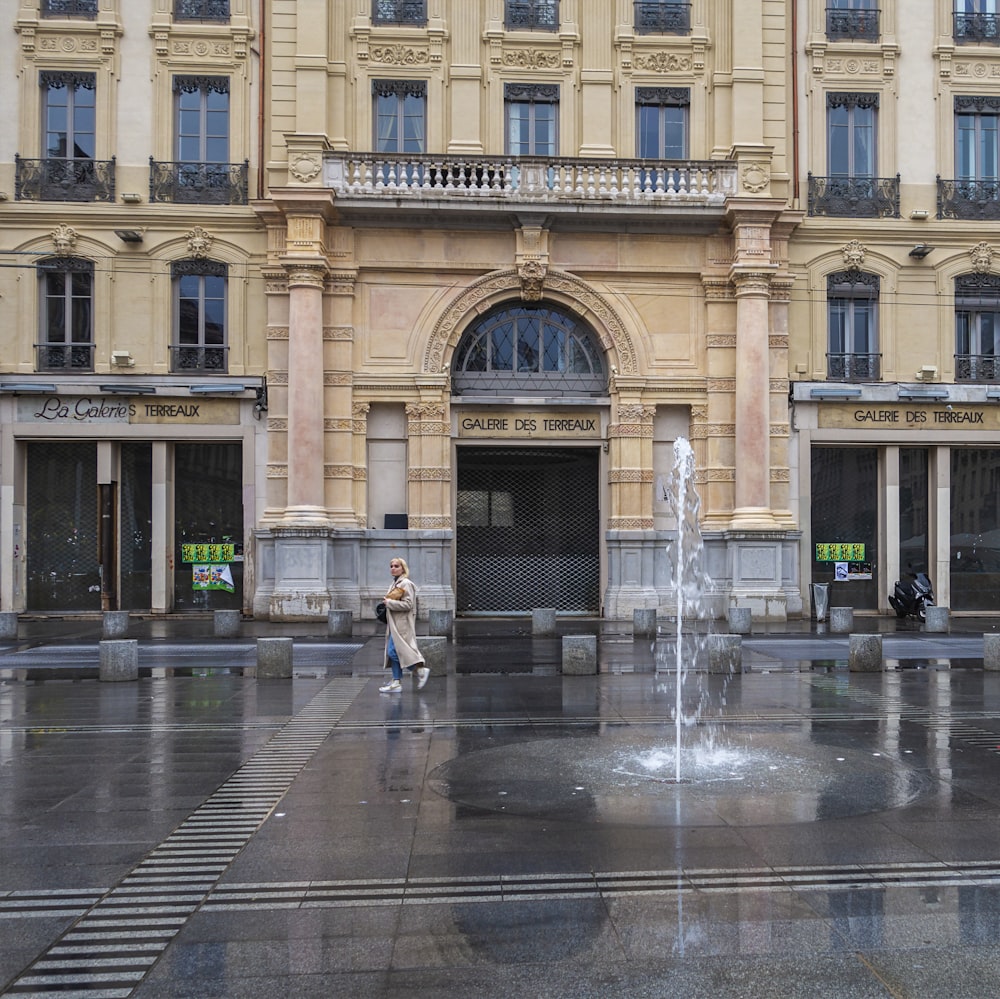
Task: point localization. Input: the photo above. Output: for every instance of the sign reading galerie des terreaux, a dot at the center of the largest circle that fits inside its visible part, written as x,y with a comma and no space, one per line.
919,416
522,423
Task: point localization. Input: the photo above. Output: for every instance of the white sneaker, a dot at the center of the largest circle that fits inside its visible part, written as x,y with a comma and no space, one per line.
392,687
423,675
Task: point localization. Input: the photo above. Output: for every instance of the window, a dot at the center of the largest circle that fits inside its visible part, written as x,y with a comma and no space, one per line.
976,22
662,122
400,111
976,137
977,327
852,304
69,115
661,17
69,8
531,118
543,14
66,314
399,12
199,315
852,19
850,122
201,10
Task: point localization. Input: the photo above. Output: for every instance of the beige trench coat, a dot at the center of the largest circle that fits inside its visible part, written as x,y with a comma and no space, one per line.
401,617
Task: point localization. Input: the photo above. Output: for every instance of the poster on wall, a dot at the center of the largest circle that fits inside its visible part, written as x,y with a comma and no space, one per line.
212,577
848,558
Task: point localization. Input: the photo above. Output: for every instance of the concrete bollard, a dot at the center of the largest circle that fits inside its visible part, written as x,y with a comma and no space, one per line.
841,620
740,620
938,619
644,622
274,658
226,623
435,652
579,655
543,621
8,624
865,654
441,622
991,651
725,654
114,624
340,623
119,660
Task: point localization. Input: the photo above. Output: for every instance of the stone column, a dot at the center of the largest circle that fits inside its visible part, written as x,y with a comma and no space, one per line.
631,467
338,378
429,474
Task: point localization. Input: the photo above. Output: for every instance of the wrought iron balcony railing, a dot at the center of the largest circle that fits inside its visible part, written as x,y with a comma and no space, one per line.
860,25
64,180
661,17
977,368
976,28
535,179
64,356
854,197
853,367
399,12
184,357
968,199
540,14
201,10
69,8
198,183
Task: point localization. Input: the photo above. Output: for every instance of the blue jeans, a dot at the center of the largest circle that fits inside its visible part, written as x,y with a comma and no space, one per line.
390,651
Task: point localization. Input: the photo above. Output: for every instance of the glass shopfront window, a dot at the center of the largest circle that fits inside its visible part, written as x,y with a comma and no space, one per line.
975,529
914,518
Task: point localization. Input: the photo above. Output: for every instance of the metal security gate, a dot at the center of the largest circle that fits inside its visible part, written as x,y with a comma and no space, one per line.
528,530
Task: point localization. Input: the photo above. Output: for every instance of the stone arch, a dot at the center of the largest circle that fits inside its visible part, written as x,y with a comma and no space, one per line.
560,287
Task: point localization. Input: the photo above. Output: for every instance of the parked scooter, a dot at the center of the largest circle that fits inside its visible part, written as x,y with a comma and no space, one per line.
913,597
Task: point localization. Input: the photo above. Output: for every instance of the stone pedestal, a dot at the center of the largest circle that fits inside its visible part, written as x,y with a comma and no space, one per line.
114,624
991,651
740,620
274,658
644,622
725,654
435,653
938,619
543,621
841,620
8,625
441,622
119,659
226,623
865,654
579,655
340,623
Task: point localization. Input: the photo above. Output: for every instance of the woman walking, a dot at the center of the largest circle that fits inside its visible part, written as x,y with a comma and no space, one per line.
401,650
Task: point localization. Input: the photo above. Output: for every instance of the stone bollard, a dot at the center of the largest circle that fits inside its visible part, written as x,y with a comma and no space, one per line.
114,624
841,620
226,623
340,623
435,653
740,620
865,654
991,651
644,622
579,655
938,619
441,622
274,658
8,624
725,654
543,621
119,659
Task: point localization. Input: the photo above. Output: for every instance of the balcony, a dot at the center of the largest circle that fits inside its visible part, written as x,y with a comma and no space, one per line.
539,15
69,8
64,180
975,200
977,368
854,367
976,29
198,183
853,25
185,357
854,197
201,10
398,12
64,356
661,18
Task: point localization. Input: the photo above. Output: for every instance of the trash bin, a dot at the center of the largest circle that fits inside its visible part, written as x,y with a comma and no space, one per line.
821,600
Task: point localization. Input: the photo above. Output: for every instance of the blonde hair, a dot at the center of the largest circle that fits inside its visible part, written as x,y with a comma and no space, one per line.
402,562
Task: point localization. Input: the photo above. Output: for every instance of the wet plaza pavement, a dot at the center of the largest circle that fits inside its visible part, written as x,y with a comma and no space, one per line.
507,830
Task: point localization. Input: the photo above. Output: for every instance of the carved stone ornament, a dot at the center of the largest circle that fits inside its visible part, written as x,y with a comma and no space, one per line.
981,256
854,255
756,177
64,239
305,167
199,242
532,275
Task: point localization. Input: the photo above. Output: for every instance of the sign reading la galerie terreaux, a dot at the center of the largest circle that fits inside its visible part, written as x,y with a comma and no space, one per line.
522,423
59,409
897,416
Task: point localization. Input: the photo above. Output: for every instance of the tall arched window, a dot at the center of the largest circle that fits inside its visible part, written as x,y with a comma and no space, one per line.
528,348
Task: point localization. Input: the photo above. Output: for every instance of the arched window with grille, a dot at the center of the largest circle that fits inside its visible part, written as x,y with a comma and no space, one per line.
66,314
977,327
852,307
199,341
